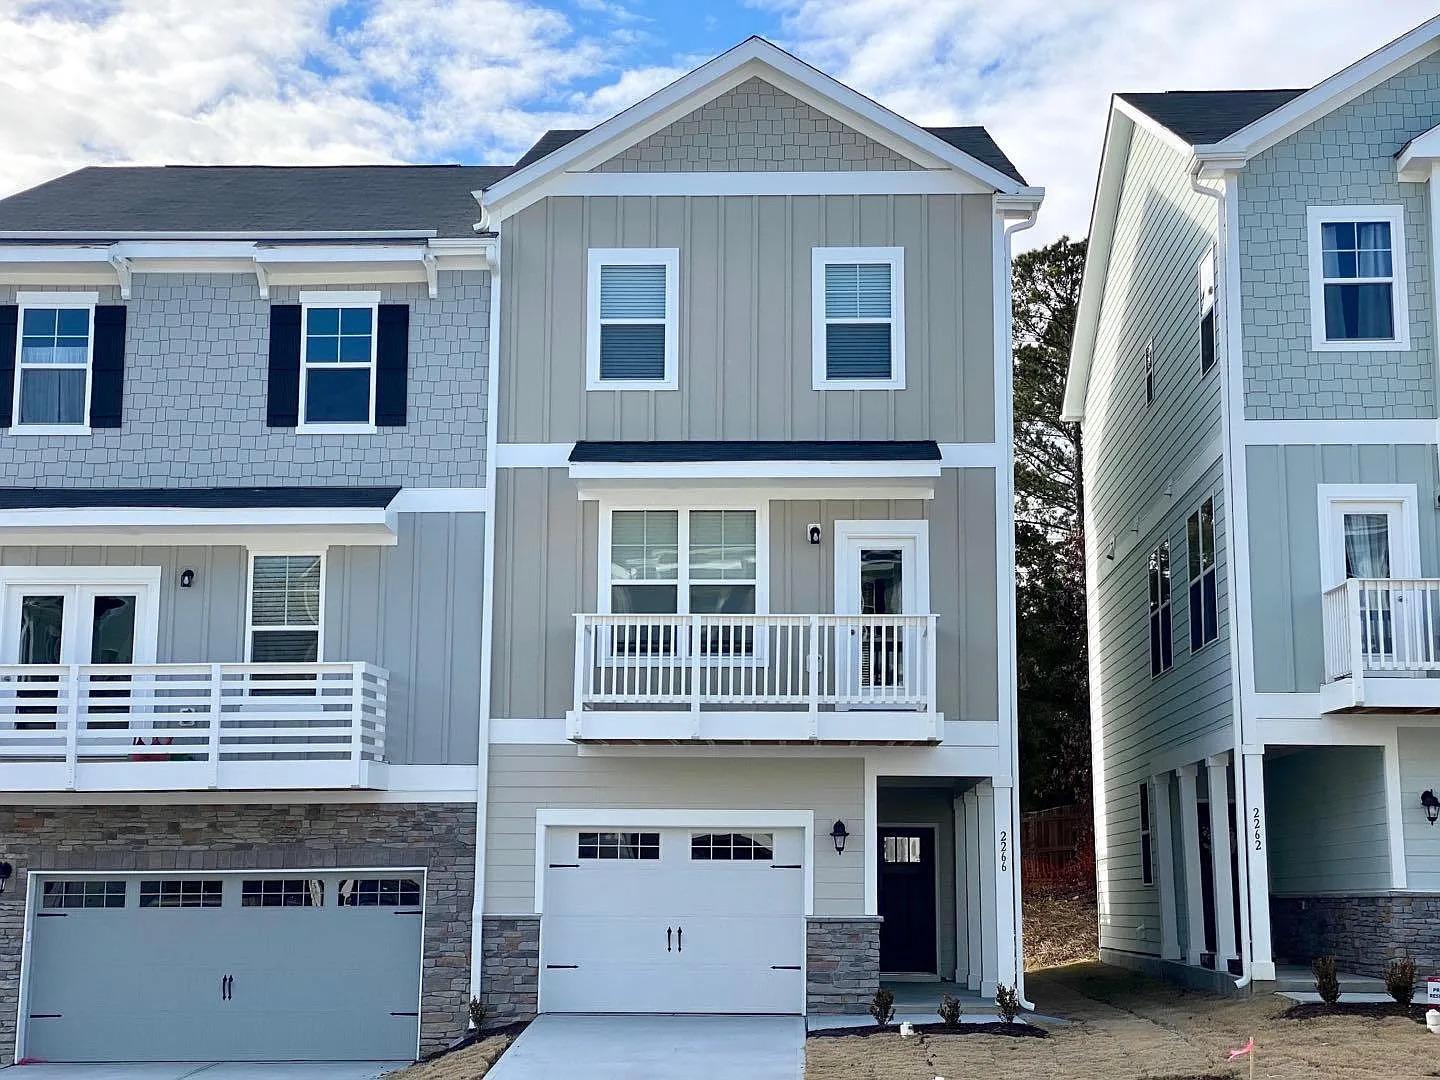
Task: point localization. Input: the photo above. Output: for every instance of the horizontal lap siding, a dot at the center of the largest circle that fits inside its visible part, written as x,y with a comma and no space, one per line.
1284,550
1136,458
1325,812
1420,771
526,778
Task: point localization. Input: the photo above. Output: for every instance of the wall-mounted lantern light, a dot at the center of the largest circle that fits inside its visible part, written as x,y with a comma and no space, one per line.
5,871
1432,806
813,533
187,578
839,834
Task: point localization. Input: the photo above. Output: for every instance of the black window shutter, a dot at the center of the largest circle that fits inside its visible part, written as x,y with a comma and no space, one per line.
107,367
9,321
392,348
282,407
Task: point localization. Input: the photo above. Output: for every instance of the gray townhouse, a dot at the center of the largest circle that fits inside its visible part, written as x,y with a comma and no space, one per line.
585,585
1255,369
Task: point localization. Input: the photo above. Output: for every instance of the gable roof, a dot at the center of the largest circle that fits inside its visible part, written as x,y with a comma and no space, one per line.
344,200
1206,116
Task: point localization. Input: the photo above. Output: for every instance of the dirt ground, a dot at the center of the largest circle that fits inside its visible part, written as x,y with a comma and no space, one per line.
1128,1027
1060,930
470,1063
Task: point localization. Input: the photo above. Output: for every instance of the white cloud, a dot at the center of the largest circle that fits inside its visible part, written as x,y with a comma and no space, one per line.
1039,74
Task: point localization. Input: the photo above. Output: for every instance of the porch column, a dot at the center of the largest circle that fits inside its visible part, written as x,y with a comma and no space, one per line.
1165,867
870,848
1255,846
974,904
1005,878
962,894
1190,858
989,953
1218,772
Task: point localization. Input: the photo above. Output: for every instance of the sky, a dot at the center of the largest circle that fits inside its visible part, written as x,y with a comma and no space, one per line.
86,82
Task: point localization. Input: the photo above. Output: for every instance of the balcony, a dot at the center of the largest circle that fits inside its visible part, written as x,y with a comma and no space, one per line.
180,727
851,679
1382,646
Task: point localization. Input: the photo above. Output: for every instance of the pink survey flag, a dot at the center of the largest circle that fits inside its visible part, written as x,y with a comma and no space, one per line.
1248,1048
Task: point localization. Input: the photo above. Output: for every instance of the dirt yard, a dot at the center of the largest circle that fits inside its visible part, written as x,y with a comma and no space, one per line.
470,1063
1060,929
1127,1027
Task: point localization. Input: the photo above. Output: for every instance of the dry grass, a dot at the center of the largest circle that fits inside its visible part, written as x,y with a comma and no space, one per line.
1127,1027
471,1063
1060,930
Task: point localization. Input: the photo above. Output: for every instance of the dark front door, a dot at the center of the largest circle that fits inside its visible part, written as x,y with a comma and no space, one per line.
907,899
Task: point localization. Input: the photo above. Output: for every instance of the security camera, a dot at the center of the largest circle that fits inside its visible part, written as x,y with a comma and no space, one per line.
814,533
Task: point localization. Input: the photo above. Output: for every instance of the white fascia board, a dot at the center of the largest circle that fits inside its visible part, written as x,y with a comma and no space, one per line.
133,525
81,235
752,57
1323,98
1417,157
1145,120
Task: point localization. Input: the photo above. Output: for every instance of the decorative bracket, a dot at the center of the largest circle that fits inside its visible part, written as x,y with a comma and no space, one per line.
432,272
262,278
122,268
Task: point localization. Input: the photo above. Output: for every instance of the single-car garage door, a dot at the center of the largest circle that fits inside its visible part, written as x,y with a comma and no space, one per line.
673,920
194,967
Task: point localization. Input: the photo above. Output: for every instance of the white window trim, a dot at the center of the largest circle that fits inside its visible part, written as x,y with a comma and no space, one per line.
250,628
599,257
822,257
26,300
310,300
1336,500
1317,216
144,579
880,531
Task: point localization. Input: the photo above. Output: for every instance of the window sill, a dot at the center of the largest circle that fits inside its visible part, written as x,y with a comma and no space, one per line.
336,429
1398,345
50,429
860,384
632,384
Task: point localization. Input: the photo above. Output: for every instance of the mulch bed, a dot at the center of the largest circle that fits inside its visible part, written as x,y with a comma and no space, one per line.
471,1038
996,1027
1376,1010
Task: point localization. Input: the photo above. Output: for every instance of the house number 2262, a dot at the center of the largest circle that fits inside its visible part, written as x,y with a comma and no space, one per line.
1255,827
1004,851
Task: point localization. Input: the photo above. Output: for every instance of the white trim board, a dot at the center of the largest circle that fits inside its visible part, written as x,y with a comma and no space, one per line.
853,182
1422,432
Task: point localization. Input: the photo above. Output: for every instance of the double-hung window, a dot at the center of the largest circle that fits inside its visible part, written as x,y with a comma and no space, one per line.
53,360
1357,278
1162,645
1200,540
1207,311
337,361
1147,838
286,606
858,320
632,321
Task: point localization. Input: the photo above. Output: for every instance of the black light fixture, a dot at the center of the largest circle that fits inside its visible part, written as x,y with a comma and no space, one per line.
187,578
1432,806
839,834
5,871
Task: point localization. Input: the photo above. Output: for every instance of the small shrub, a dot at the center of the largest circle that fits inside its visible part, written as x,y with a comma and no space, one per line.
949,1010
1327,979
479,1013
882,1007
1400,980
1007,1000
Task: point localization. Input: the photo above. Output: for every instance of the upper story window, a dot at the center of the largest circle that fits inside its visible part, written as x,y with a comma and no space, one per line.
1357,278
1207,311
337,361
632,319
1149,374
1147,838
701,562
286,606
1200,539
1162,645
858,318
52,376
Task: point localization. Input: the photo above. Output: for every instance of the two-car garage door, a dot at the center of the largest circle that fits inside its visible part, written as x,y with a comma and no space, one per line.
194,967
673,920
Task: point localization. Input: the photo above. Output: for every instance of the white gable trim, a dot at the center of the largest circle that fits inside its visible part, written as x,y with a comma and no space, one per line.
754,57
1418,157
1323,98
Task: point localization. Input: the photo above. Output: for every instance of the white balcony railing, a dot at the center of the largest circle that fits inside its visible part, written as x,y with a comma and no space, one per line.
160,727
794,664
1386,629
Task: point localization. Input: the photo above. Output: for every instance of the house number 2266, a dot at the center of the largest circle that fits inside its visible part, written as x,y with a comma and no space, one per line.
1004,851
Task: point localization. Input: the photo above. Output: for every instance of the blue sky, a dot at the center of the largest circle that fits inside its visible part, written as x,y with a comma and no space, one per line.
330,81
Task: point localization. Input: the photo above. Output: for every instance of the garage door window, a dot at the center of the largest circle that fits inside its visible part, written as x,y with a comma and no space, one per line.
732,847
379,892
83,894
619,845
287,892
180,892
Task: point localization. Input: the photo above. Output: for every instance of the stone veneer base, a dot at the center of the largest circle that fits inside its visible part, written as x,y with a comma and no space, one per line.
438,836
1364,933
842,963
510,967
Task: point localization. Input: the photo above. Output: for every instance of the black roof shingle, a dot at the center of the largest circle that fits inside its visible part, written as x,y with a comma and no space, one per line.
206,498
1201,117
755,450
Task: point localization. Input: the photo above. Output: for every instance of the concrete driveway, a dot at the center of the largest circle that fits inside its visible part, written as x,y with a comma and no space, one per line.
589,1047
211,1070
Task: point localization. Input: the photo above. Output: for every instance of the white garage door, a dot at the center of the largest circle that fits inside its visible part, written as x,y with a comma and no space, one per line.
195,967
673,920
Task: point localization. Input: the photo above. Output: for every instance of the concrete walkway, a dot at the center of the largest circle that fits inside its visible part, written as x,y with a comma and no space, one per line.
209,1070
591,1047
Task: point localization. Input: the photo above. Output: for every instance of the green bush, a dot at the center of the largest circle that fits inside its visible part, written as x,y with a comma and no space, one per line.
1400,980
949,1010
479,1013
1007,1000
882,1007
1327,979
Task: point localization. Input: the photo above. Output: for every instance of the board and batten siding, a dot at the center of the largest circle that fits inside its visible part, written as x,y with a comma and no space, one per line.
745,318
526,778
1419,771
413,609
547,559
1325,813
1284,550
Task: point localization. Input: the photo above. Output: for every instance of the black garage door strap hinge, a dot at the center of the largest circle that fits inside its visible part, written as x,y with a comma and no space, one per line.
561,967
564,866
784,967
404,1014
52,914
416,911
46,1016
787,866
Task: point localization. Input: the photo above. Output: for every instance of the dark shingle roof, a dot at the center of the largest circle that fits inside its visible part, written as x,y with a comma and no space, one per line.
975,141
1207,116
333,498
253,199
794,450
